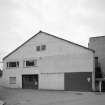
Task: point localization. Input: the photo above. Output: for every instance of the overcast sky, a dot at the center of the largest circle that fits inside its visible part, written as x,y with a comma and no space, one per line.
75,20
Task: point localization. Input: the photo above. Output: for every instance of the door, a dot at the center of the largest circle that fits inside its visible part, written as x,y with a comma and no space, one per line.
30,81
78,81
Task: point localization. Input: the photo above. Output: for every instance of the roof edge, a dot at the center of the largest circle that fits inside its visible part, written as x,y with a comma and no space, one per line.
50,35
96,37
68,41
21,45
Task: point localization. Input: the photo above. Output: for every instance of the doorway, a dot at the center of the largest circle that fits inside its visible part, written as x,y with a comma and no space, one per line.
78,81
30,81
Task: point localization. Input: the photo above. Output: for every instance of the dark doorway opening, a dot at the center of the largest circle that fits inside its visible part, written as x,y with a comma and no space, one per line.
30,81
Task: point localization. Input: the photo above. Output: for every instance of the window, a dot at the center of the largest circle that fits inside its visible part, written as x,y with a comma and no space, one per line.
12,64
38,48
41,48
12,80
30,63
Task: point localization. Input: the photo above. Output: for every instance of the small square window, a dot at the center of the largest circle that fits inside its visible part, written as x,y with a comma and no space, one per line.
43,47
38,48
12,80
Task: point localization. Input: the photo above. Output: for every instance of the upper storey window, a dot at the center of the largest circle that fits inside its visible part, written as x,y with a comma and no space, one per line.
13,64
41,48
38,48
30,63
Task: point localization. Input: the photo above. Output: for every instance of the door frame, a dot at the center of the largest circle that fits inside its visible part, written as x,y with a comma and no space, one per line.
35,77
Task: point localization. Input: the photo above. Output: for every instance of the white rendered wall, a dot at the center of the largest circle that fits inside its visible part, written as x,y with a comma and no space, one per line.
59,49
54,46
51,81
66,63
59,57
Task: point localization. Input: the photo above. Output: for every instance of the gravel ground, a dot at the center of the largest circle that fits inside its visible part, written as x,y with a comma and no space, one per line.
42,97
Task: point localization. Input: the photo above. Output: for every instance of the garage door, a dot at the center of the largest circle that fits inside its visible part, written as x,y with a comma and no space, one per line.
78,81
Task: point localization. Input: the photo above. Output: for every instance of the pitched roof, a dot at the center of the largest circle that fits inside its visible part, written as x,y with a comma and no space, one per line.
49,35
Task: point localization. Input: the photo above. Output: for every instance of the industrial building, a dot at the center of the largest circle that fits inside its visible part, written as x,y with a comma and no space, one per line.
98,45
48,62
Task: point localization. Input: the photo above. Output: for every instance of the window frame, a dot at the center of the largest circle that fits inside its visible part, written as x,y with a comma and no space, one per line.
38,48
12,81
35,63
10,67
43,47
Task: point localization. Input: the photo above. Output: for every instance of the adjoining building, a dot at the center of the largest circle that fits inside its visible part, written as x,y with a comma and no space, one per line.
48,62
98,45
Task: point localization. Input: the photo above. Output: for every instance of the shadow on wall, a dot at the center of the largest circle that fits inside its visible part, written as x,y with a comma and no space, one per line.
1,73
1,78
98,76
98,72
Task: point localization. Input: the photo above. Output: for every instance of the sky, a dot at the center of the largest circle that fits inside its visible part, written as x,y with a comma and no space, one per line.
74,20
